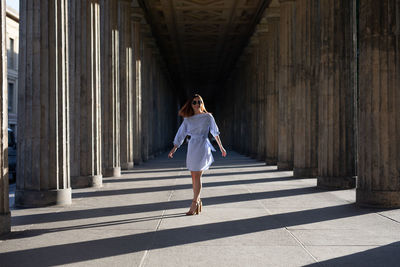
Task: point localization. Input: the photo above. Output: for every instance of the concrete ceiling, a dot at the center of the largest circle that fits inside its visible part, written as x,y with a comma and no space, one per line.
202,39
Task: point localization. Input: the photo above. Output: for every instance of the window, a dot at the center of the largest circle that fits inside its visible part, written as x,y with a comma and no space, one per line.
10,96
11,54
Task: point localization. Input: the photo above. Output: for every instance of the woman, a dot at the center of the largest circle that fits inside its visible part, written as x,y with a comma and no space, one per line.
197,123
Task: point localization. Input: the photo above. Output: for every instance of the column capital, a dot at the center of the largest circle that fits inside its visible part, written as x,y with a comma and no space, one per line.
137,14
262,27
253,42
145,28
150,42
272,13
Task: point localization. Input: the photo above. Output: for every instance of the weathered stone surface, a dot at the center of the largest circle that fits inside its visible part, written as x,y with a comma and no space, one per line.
4,206
286,85
254,105
43,176
137,117
248,128
336,149
378,182
307,69
146,109
272,99
126,84
262,36
263,219
85,93
110,35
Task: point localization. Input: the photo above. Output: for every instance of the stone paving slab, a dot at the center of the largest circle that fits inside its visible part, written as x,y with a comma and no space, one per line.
254,215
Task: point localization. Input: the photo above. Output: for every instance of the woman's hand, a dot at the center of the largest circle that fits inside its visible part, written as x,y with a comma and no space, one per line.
223,151
171,153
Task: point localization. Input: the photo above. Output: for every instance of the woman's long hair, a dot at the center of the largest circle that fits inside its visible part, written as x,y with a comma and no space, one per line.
187,110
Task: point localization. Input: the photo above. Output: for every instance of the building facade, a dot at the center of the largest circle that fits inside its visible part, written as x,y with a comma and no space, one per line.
12,41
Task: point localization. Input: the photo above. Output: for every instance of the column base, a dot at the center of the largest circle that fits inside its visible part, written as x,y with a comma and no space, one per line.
86,181
336,182
253,155
34,199
285,166
305,172
378,199
271,161
137,161
127,166
112,172
260,157
5,223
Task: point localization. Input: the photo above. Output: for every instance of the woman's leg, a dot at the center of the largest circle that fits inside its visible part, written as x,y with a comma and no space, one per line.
196,184
193,181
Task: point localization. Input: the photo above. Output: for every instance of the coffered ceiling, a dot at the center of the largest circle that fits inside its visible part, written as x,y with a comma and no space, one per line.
201,39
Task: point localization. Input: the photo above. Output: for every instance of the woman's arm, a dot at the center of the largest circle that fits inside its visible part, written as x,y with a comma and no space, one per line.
179,138
223,151
173,150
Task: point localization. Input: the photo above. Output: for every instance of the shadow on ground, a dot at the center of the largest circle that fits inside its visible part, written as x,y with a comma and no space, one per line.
83,251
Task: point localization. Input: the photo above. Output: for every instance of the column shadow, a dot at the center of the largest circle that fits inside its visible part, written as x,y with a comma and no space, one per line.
205,176
381,256
148,207
109,247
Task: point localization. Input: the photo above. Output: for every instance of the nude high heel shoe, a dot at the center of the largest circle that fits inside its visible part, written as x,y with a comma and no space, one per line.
195,211
200,206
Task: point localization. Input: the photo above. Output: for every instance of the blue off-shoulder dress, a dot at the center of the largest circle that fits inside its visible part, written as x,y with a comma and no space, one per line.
199,156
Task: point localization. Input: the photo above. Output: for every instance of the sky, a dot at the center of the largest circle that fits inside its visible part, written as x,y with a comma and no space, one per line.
14,4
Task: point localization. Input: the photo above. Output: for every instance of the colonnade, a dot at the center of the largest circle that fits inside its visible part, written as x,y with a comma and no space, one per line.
305,102
91,86
314,91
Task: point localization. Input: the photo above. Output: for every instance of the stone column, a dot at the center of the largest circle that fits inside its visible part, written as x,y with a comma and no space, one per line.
43,176
242,92
150,86
85,89
248,129
145,31
237,113
307,86
336,149
253,76
137,17
272,84
378,182
126,85
261,32
158,103
286,84
5,222
110,88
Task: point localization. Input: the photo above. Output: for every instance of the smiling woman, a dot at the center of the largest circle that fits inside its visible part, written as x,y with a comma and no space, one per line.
197,124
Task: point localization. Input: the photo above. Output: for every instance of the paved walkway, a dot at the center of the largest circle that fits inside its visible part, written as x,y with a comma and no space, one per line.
253,215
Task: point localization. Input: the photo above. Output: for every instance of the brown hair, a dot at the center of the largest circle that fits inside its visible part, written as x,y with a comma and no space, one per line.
187,110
